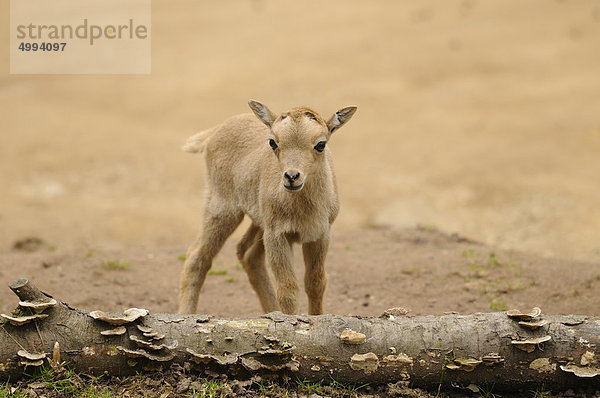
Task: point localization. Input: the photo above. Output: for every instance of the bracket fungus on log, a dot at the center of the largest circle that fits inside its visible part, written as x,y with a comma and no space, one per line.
154,335
400,358
391,313
22,320
581,371
534,324
128,316
151,346
587,367
349,336
148,332
574,320
530,345
165,357
254,365
466,364
368,362
32,357
491,359
29,359
270,338
228,359
118,331
144,328
38,306
30,298
534,313
286,348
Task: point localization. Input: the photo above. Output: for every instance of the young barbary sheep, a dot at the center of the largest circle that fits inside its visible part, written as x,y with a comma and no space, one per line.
279,173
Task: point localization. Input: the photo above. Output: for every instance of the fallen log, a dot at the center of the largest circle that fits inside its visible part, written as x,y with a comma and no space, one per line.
510,350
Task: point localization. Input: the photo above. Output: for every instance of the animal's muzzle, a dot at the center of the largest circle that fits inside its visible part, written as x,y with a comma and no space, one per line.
292,180
291,176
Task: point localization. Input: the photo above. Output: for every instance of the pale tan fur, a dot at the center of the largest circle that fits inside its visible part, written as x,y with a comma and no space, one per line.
245,176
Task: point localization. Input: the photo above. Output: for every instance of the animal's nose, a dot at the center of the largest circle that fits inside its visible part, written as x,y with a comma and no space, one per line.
291,176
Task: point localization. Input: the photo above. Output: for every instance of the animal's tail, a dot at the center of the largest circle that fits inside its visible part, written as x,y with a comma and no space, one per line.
196,143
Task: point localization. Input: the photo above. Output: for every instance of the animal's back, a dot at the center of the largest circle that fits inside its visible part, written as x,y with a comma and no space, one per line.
234,155
238,133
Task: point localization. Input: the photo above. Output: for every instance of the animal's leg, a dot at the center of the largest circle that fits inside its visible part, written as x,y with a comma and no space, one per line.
218,225
247,241
315,277
251,253
278,252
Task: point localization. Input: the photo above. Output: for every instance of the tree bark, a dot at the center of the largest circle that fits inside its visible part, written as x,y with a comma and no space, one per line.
425,351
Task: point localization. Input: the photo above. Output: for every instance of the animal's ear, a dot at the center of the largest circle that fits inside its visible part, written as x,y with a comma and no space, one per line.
340,117
262,112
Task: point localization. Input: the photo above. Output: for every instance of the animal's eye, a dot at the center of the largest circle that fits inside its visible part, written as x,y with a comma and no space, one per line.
320,147
273,143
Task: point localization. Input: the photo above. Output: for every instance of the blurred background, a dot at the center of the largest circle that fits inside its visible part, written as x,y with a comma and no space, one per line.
476,117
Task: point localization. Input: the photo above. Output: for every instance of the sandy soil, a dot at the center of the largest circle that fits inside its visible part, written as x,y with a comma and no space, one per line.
474,117
369,271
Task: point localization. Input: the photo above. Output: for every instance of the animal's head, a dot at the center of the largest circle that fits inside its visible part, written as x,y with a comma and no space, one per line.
299,139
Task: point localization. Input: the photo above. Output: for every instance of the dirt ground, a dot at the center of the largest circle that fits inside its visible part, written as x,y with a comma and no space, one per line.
476,118
369,271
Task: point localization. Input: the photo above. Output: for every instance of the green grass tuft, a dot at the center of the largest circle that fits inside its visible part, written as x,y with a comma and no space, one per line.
90,253
208,389
217,272
8,391
333,389
497,304
470,253
116,264
493,260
